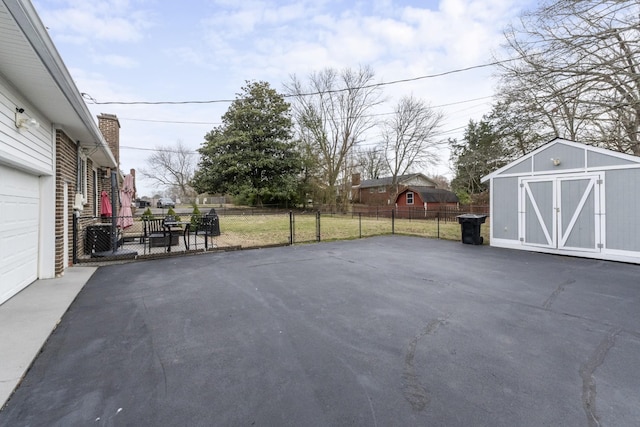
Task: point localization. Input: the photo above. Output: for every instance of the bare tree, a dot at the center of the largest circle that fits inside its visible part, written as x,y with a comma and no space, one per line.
370,163
578,61
172,169
408,138
331,113
441,182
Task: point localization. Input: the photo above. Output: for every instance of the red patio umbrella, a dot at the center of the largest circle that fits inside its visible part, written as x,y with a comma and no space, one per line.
125,219
105,205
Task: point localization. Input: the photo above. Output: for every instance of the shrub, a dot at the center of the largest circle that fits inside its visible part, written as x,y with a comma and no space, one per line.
146,215
172,213
196,218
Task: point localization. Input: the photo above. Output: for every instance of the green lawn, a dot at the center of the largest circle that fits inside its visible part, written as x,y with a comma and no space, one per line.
274,229
264,230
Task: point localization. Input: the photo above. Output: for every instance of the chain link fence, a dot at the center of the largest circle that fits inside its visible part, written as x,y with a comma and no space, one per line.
96,239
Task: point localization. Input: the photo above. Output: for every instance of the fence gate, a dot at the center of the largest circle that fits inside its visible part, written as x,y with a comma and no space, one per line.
561,212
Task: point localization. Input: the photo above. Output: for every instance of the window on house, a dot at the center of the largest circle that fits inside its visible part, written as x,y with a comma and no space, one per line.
81,183
382,189
371,190
409,198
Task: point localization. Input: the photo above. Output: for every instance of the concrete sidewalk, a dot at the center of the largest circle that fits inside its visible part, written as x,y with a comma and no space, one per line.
27,320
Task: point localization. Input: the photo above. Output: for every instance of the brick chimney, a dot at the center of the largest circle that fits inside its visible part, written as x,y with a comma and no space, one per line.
110,128
355,179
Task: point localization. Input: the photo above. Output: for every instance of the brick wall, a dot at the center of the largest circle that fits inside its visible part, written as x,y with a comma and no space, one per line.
375,198
66,171
110,127
66,165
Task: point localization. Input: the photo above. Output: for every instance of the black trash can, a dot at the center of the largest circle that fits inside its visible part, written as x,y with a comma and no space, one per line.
214,223
470,228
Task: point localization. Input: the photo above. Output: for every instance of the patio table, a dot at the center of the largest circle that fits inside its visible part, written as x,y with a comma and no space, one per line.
175,225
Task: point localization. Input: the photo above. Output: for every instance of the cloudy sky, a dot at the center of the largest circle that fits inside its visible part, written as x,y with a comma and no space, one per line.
204,50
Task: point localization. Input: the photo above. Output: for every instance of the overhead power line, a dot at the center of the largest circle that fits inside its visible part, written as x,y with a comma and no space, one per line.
92,100
185,122
179,122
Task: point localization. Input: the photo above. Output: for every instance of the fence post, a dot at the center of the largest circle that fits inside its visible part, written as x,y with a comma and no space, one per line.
393,221
360,223
438,220
291,227
318,226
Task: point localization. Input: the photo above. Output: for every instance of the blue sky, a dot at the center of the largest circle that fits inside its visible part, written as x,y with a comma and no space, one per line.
196,50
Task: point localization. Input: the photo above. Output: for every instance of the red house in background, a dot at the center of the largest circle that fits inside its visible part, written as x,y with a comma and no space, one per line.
381,192
427,198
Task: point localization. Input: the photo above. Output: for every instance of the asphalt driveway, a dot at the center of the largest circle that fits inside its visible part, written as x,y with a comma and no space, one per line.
386,331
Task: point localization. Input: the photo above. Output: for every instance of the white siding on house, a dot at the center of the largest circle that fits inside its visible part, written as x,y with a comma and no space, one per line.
28,149
418,181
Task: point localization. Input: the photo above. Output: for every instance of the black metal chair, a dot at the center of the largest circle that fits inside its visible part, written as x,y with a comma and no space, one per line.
207,226
155,234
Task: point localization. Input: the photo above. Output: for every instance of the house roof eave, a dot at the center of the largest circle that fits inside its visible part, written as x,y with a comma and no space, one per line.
49,85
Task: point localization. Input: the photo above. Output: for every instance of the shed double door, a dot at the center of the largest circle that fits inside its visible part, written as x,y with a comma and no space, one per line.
562,212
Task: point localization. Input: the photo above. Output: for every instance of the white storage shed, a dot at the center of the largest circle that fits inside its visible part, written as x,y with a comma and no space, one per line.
568,198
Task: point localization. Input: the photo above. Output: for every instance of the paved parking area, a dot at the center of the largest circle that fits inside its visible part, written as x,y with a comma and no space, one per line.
376,332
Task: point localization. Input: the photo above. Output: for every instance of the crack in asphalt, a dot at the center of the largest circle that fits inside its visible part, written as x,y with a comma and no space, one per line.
547,304
157,356
417,396
586,373
364,389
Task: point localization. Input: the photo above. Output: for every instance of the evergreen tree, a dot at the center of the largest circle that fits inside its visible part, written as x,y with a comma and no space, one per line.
478,154
252,154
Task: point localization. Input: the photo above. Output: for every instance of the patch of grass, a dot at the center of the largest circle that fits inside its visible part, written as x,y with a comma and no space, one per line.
253,230
264,230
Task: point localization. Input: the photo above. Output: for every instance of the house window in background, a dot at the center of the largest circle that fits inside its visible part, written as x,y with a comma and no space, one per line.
382,190
409,198
81,183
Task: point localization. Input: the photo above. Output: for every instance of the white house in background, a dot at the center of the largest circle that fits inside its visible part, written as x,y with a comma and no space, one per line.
52,153
571,199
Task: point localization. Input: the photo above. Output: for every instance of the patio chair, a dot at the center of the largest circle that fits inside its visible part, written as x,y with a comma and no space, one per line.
207,226
155,234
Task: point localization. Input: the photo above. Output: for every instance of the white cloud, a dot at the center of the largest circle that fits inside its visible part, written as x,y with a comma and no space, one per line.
118,61
248,35
206,49
81,20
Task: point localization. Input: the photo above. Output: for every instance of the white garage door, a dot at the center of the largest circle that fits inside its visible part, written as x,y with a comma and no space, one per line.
19,222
